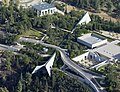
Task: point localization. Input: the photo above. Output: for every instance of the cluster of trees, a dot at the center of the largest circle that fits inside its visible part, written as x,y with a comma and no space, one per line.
15,20
98,23
63,83
16,71
89,4
112,80
110,6
58,20
116,4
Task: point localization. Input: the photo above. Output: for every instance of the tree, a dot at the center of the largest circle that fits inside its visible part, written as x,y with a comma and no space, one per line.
8,64
87,3
26,59
97,5
19,87
3,89
110,6
11,19
17,2
28,78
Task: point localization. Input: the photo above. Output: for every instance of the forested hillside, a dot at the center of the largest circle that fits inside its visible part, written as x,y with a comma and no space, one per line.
16,68
110,6
16,76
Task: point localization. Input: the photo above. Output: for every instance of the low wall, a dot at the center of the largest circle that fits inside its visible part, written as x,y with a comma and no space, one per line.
81,57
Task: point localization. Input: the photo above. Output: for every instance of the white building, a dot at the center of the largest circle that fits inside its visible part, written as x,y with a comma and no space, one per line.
90,56
110,51
101,55
44,9
92,40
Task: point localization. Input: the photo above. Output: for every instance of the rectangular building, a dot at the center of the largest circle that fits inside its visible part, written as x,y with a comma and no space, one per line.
44,9
92,40
111,51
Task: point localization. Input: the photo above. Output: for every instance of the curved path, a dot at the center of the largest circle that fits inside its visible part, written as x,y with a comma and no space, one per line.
88,77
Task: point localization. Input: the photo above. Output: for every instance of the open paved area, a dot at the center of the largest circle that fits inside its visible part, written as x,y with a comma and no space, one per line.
87,63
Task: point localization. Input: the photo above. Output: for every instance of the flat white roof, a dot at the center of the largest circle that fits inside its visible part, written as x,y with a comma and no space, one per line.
43,6
110,50
91,39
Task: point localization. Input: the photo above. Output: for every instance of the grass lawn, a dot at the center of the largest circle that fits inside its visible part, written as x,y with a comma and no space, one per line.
32,33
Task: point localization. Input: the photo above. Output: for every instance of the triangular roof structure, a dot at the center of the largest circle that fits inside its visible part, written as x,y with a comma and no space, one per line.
48,65
85,20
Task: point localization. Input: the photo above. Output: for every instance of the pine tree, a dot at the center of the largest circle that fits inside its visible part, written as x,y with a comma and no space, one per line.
19,87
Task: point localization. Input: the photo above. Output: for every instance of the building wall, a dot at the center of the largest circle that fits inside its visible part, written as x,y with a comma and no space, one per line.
81,57
84,43
96,57
99,43
92,45
89,56
46,11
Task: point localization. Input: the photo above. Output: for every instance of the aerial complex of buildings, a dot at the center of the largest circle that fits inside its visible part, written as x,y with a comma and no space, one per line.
100,52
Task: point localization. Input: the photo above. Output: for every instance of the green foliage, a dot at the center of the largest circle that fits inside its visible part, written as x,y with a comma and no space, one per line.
28,78
16,21
19,87
60,7
66,83
113,78
26,59
3,89
96,4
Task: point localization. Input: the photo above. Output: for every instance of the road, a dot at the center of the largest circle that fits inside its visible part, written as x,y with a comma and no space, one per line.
11,48
88,77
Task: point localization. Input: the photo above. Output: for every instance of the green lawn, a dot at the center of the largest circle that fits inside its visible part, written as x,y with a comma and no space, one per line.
32,33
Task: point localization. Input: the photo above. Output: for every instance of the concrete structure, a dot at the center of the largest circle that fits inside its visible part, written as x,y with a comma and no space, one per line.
27,1
100,64
92,40
90,56
44,9
11,48
48,65
89,59
85,20
110,51
102,55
